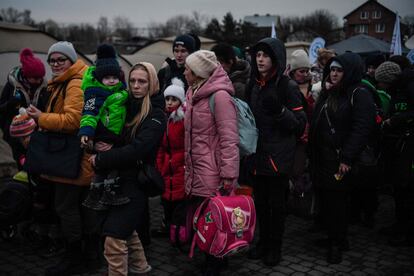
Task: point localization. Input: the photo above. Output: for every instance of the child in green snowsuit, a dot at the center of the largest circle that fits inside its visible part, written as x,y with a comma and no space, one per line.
103,118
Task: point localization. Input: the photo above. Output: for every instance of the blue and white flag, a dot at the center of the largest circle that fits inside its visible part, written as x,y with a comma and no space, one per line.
273,35
317,43
410,56
396,38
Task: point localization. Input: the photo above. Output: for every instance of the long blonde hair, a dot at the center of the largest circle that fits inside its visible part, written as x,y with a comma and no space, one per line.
153,88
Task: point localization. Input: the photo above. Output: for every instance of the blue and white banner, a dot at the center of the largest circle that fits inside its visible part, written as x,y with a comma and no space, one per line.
273,35
396,38
410,56
317,43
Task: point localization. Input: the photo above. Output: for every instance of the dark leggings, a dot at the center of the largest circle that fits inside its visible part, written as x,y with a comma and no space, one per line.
335,214
270,201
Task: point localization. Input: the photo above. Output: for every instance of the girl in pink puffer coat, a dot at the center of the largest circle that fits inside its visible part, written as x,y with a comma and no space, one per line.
211,140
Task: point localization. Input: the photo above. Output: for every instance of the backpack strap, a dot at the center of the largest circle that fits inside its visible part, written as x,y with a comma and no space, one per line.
197,214
211,103
62,90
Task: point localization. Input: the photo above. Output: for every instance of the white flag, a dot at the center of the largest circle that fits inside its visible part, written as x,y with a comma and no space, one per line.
396,38
273,35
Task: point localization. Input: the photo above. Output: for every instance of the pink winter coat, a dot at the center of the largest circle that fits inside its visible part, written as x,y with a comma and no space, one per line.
211,141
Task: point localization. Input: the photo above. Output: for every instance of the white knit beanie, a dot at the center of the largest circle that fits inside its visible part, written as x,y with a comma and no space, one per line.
176,89
299,59
65,48
202,63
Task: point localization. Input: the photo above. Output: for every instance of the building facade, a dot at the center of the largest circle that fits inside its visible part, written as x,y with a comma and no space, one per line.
370,18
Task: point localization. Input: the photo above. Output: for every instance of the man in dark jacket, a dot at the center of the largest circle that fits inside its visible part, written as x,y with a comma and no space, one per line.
276,104
399,139
183,46
237,69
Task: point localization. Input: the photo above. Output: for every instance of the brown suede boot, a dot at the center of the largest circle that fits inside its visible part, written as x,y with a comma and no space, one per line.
137,262
116,254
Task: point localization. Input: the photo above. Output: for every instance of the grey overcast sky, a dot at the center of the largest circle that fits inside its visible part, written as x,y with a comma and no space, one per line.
143,12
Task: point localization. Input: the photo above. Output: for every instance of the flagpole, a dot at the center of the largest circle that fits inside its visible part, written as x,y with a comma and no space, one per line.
273,35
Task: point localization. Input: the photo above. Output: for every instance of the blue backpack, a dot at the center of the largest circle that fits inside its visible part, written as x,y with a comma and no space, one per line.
248,133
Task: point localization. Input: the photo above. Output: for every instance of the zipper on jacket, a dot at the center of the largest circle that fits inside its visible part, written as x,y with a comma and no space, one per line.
171,177
107,118
273,164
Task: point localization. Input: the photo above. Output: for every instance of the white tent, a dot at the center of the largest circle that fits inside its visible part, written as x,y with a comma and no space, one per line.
15,37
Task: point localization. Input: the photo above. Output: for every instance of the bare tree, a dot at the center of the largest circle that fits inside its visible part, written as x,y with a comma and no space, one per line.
14,16
103,29
214,30
157,30
408,20
123,27
51,27
178,24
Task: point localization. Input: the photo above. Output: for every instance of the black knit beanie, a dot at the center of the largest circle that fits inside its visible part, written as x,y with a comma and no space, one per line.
186,41
106,63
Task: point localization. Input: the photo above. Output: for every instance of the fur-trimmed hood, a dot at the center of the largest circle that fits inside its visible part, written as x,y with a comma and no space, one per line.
177,115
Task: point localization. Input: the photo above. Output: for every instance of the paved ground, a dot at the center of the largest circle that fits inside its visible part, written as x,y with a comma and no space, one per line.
369,254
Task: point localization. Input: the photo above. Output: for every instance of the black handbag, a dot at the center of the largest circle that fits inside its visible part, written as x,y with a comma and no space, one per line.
150,179
54,154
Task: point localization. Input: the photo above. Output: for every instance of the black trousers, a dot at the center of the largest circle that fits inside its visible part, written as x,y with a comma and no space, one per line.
270,201
68,199
364,198
334,204
169,208
404,211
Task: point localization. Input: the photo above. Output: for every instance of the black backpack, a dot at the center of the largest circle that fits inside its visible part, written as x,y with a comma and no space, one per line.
15,202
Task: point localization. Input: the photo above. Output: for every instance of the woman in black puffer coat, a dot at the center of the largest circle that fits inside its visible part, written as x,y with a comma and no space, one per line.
144,128
342,125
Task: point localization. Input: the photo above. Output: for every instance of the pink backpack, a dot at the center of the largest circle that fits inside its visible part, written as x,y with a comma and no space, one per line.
224,225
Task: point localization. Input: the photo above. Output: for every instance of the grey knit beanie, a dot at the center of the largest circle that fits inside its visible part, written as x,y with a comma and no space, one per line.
299,59
387,72
65,48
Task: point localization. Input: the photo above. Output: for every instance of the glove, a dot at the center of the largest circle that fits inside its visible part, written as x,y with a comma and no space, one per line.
271,105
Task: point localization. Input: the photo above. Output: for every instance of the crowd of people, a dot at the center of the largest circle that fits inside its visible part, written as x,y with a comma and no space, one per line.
340,129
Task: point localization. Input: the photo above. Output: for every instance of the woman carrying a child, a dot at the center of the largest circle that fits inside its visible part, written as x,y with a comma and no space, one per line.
143,131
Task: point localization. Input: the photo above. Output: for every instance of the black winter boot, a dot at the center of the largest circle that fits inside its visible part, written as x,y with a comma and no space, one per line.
71,262
212,266
92,201
257,251
272,257
334,255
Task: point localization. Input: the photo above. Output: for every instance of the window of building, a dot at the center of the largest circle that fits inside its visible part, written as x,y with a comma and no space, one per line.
380,28
364,15
376,14
361,29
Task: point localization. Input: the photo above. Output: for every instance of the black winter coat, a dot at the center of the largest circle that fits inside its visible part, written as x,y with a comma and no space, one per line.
402,105
9,104
278,133
353,123
166,74
142,148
